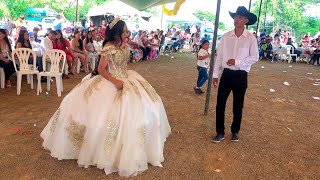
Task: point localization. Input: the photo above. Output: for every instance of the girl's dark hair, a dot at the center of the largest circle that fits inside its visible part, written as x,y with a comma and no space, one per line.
89,39
111,35
62,39
82,34
114,32
201,46
76,31
6,39
205,41
21,38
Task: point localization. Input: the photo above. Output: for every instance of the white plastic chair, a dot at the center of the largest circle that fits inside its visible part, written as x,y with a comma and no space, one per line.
23,55
275,51
55,57
304,57
92,63
78,66
290,53
2,78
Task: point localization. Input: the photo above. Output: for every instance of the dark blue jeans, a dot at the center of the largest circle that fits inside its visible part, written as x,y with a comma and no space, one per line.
39,63
8,68
202,76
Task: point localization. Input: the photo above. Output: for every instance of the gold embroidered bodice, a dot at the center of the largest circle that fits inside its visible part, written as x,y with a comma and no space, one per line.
118,59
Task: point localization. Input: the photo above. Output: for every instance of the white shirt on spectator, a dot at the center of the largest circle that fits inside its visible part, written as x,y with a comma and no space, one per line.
243,49
137,39
205,62
47,44
37,47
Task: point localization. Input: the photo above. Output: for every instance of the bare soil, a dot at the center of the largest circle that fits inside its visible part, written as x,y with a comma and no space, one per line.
279,138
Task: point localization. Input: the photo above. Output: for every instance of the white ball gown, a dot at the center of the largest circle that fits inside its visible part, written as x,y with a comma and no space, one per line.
116,130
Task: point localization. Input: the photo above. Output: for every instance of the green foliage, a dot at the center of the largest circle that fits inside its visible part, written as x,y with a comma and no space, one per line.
204,15
208,16
288,13
17,7
152,11
1,13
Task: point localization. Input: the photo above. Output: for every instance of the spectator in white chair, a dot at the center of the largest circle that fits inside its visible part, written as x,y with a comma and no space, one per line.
63,44
79,51
297,52
47,44
89,46
5,53
24,42
48,40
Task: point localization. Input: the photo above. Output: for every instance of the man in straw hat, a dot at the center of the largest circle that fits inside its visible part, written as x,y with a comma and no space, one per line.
237,51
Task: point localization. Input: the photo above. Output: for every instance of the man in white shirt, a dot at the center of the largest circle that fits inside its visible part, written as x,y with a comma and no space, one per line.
238,50
47,42
138,39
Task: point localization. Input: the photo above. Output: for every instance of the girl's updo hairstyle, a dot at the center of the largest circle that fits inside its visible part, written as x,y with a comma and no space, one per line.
113,32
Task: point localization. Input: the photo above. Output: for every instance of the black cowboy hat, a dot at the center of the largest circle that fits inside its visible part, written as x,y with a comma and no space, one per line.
242,11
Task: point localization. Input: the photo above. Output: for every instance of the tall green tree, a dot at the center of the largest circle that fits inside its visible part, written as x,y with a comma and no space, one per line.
1,13
288,13
204,15
208,16
18,7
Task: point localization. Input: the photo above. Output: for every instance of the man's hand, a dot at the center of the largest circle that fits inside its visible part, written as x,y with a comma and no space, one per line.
231,62
215,82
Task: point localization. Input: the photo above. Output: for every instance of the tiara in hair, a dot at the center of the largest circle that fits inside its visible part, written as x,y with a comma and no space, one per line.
114,22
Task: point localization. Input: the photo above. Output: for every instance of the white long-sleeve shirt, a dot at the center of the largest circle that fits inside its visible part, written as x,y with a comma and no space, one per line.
243,49
47,44
137,39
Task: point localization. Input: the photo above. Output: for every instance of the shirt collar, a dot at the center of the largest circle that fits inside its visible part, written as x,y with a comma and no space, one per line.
245,33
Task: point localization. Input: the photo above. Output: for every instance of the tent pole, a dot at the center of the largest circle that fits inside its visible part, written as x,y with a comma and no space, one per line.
161,18
213,50
249,9
77,11
265,15
258,18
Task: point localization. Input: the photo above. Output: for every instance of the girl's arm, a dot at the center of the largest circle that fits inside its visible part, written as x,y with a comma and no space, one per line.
103,64
85,45
19,45
74,48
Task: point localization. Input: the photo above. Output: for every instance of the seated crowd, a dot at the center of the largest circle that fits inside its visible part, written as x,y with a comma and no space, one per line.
270,47
82,43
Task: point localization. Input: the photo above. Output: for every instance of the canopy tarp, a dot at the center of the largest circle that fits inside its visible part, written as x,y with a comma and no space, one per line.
183,17
145,4
117,8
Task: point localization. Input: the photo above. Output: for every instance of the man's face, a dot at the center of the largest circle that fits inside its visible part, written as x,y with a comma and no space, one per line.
51,36
240,21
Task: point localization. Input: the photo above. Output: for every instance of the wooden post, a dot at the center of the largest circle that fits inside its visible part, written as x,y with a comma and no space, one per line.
213,50
77,11
258,18
249,10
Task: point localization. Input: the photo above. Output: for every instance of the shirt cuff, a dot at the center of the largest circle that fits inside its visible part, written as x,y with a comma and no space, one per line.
237,63
216,74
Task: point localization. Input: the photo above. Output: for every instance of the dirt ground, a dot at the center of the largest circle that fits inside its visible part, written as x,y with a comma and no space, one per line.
279,138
